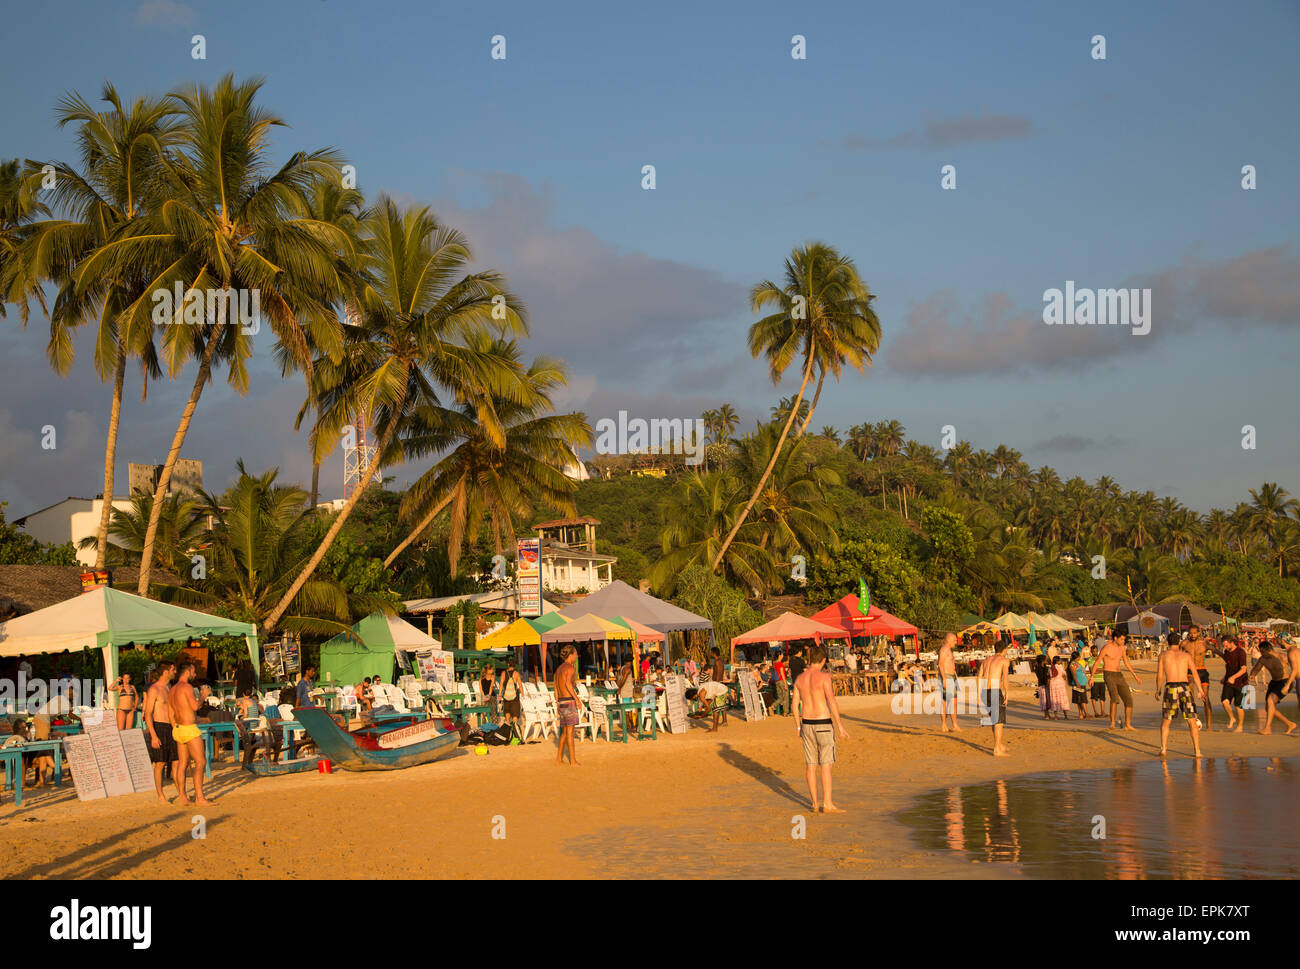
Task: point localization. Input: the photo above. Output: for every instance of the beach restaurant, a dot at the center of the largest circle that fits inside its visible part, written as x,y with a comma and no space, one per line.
107,619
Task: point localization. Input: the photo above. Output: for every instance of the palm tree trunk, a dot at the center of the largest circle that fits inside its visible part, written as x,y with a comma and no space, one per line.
315,464
110,457
178,439
821,379
776,453
418,530
269,625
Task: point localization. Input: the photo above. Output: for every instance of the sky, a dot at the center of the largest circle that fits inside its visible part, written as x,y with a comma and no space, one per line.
1107,173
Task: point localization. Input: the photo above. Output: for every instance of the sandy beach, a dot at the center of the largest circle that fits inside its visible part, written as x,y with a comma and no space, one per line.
697,805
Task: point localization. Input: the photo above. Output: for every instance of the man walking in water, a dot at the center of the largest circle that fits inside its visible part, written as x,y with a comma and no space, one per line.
1112,657
1195,647
994,672
189,740
948,682
1277,680
567,703
1175,680
817,721
158,720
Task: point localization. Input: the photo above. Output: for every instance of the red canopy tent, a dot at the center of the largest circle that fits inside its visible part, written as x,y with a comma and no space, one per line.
785,628
845,615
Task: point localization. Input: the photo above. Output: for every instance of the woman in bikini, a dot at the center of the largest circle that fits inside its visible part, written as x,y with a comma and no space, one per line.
128,700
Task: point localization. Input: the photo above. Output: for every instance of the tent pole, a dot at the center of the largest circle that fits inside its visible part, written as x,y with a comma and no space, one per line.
110,664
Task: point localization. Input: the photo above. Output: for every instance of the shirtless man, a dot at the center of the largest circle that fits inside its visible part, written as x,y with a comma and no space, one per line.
1110,660
817,721
1277,680
1175,681
158,719
1293,662
994,671
948,682
189,740
1195,647
567,703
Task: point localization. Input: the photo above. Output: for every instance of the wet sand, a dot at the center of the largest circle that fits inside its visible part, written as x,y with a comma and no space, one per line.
687,806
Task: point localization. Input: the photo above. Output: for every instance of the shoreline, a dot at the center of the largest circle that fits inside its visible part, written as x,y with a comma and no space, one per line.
685,806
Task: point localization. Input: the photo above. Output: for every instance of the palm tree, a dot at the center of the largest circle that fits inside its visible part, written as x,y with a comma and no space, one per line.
223,222
792,509
1269,508
418,301
479,479
830,433
783,408
20,206
843,339
181,530
262,534
823,295
728,421
890,436
122,151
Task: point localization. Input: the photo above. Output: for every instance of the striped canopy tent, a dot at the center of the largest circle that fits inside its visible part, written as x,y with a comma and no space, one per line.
1010,622
588,629
1049,622
106,619
983,626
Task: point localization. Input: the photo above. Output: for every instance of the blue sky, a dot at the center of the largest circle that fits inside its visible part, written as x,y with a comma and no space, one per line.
1117,172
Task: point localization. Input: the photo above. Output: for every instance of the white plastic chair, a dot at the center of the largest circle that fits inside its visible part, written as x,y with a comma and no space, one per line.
532,715
585,722
599,718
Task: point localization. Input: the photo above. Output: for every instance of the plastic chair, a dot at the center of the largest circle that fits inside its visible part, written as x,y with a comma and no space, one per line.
599,718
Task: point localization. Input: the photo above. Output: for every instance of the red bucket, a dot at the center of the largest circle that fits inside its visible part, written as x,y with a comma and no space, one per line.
325,767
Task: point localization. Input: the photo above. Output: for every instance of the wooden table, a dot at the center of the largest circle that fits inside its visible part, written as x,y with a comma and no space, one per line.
613,710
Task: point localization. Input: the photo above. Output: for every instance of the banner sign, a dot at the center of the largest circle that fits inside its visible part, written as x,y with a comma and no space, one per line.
529,574
405,736
438,665
92,579
290,650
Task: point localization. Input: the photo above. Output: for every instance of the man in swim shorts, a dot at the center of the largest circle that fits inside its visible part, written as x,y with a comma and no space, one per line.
158,719
993,697
1111,661
189,740
817,721
1271,661
1195,647
1174,685
568,706
948,682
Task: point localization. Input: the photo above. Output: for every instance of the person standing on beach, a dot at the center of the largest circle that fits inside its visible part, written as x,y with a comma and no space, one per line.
158,719
512,686
994,671
189,739
1175,676
1080,685
1293,662
1234,683
567,703
1277,680
948,683
1195,647
817,721
1111,661
1097,690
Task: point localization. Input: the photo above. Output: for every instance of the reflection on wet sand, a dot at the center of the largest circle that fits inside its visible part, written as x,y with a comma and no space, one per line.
1226,818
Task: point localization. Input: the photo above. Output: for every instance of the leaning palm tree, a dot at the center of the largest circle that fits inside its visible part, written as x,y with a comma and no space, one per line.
262,534
223,221
122,151
420,314
823,294
478,479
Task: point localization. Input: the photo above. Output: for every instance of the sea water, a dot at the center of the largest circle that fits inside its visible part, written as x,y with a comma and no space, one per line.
1232,817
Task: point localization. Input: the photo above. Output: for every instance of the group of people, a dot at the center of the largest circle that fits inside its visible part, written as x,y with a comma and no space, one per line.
1092,675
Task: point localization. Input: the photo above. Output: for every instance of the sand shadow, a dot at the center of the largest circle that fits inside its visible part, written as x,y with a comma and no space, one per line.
113,861
764,775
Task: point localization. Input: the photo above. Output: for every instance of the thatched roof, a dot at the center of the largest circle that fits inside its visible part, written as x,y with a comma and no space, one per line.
27,588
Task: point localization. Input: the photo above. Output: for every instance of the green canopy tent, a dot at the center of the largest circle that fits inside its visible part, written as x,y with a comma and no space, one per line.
106,619
349,661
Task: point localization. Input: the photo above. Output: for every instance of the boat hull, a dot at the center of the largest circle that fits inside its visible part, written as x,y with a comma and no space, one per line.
343,750
265,768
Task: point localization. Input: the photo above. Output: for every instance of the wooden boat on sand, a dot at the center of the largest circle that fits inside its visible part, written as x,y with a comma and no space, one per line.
387,745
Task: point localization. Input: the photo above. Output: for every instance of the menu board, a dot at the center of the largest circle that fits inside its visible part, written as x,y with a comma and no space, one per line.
85,772
675,693
291,655
106,742
106,762
749,696
437,665
528,570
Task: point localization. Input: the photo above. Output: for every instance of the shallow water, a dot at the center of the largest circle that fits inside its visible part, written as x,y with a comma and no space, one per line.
1232,817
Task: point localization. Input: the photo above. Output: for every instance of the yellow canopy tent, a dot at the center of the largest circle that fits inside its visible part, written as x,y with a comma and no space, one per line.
521,632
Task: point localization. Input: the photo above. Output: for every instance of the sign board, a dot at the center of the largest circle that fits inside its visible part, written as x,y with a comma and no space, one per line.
92,579
292,656
272,661
528,563
106,762
675,693
406,736
438,665
749,696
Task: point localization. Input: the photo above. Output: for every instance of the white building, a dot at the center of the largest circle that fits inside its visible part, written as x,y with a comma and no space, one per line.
570,562
69,520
